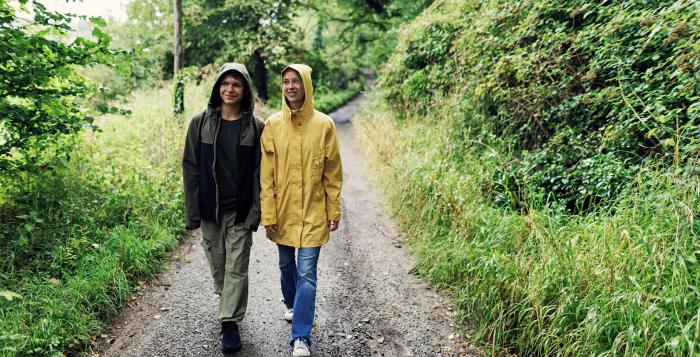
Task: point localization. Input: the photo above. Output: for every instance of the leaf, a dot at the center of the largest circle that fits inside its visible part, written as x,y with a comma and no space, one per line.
674,342
102,37
668,142
9,295
662,119
98,21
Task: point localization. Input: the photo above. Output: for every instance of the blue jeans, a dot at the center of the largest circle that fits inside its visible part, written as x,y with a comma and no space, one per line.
298,280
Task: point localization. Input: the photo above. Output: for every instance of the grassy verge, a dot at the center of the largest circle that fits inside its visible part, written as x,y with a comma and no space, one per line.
327,101
77,238
620,281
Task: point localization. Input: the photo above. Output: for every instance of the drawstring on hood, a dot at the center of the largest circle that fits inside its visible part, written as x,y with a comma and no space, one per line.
307,110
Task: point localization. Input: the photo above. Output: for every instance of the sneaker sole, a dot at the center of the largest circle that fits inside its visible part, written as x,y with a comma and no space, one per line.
232,348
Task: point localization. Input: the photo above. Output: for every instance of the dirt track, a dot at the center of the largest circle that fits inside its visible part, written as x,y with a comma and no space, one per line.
367,302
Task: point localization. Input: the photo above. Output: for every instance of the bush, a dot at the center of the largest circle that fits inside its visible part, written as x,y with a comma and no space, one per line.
567,88
618,281
531,114
76,240
41,95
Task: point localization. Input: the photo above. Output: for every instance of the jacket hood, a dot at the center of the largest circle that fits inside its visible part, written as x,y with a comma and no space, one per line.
248,101
307,110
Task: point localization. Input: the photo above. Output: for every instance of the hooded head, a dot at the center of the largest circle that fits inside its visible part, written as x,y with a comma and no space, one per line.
307,109
238,70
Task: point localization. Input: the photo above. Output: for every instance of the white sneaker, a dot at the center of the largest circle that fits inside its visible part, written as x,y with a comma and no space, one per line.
300,348
289,314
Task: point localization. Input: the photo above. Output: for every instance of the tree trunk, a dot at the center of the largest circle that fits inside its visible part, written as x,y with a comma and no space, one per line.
177,52
179,97
261,76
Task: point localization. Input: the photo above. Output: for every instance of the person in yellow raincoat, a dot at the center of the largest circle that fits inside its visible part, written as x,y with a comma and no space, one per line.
300,181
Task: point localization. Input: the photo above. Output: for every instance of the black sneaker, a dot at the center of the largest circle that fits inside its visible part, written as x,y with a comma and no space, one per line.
230,337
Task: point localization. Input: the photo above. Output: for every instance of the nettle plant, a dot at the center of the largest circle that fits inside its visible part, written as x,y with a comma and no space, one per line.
43,100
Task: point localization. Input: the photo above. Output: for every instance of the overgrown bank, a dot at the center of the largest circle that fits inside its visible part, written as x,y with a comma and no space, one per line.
522,147
80,236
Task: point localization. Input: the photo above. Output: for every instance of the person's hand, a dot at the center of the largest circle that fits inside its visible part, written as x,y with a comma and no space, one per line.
271,229
332,225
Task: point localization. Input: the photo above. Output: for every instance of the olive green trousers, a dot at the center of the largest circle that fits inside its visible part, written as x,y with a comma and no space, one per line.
227,247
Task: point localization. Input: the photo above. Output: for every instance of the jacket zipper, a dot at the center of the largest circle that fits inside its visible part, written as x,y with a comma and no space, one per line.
213,170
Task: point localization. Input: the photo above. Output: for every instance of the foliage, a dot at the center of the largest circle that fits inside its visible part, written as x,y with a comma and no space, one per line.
365,31
77,241
531,111
263,37
616,282
42,97
579,94
148,33
258,34
328,101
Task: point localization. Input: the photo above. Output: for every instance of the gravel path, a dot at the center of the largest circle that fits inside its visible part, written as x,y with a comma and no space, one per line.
367,302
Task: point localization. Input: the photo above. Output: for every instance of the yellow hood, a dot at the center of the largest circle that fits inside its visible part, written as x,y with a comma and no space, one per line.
307,110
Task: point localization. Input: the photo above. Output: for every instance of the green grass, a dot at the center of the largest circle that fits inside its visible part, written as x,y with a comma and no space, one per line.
621,281
328,101
325,100
77,238
543,155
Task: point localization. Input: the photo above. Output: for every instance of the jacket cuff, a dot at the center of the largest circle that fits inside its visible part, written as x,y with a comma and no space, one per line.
333,216
267,222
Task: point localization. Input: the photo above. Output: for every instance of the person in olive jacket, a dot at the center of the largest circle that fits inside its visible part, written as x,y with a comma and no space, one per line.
300,176
221,170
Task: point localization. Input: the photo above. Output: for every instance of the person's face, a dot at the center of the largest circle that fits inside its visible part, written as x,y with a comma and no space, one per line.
293,87
231,90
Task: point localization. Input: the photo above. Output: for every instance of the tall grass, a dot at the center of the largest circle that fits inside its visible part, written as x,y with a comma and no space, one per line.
617,282
77,238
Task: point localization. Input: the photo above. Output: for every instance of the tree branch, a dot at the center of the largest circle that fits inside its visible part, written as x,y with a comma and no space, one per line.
354,20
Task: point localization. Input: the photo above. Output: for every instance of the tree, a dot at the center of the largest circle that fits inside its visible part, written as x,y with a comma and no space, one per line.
366,26
258,33
177,58
41,96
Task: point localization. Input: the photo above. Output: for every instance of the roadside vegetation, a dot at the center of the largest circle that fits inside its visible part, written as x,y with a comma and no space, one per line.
543,157
91,192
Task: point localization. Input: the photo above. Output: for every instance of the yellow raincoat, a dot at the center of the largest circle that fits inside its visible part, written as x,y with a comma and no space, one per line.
300,172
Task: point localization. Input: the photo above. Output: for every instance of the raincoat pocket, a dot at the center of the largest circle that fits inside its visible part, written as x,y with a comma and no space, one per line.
318,162
318,165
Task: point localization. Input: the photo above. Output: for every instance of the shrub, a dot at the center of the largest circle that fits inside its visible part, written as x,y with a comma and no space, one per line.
76,240
568,88
530,114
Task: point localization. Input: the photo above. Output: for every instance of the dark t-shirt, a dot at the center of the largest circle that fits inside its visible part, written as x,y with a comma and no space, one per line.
227,163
